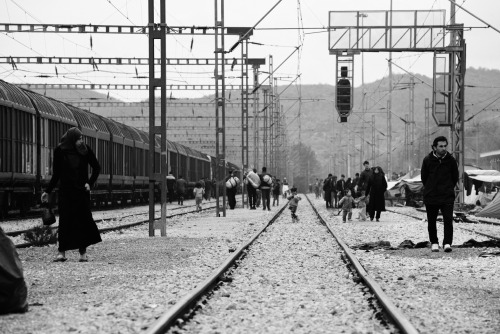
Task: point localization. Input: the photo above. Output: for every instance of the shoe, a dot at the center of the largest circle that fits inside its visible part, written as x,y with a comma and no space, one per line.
435,248
268,209
377,220
59,259
447,248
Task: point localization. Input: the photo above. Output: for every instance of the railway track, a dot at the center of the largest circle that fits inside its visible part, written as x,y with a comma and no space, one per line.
280,277
118,226
489,235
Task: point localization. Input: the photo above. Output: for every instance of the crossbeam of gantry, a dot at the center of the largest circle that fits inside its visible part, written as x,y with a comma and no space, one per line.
388,31
120,86
88,104
118,61
112,29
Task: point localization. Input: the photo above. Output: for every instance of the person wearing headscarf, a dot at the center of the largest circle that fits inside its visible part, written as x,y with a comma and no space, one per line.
77,229
376,187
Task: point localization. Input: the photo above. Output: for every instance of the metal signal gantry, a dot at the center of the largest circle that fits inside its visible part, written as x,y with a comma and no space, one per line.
352,32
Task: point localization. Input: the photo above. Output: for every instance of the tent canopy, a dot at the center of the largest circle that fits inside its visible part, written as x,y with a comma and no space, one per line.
491,210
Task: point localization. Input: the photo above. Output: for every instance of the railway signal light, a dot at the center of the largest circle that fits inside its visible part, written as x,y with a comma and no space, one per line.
344,95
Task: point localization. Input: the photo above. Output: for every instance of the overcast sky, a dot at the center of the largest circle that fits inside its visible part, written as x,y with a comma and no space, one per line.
315,64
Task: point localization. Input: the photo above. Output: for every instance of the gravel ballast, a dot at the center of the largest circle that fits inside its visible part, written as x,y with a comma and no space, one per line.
292,280
455,292
131,279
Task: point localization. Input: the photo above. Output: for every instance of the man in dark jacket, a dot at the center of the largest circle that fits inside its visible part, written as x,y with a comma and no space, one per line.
327,188
364,177
439,177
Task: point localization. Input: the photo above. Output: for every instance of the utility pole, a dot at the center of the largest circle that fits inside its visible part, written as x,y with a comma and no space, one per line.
244,113
256,115
389,140
407,132
157,32
220,103
412,123
373,141
389,103
427,135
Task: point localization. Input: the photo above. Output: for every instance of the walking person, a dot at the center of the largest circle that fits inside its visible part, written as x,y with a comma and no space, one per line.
285,187
231,186
198,193
361,203
376,187
327,188
364,177
340,187
252,180
276,192
346,203
77,229
293,203
181,190
265,187
208,189
316,188
170,186
439,177
354,185
334,195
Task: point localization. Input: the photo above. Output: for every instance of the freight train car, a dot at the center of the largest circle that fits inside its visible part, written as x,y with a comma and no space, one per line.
31,126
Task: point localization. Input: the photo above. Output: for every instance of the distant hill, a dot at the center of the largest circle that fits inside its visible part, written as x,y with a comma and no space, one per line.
192,125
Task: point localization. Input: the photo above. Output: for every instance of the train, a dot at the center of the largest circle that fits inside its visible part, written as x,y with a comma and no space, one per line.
31,126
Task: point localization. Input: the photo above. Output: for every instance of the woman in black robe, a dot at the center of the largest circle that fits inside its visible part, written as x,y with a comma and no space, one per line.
376,187
77,229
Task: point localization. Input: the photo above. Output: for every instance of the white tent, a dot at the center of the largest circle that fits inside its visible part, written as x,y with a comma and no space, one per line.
491,210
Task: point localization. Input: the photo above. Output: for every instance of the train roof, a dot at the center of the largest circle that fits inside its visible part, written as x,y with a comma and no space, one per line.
13,95
50,108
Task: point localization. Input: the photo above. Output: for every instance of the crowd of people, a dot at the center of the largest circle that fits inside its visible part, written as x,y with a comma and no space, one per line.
365,191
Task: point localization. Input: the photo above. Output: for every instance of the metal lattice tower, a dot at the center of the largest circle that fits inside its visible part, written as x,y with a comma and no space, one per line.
220,111
157,32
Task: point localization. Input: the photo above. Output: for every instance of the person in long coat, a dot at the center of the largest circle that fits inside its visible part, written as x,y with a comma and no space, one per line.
77,229
231,191
376,187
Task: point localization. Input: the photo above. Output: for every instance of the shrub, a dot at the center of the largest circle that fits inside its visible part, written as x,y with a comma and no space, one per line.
41,235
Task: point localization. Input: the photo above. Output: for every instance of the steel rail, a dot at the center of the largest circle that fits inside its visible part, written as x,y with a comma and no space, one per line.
394,312
108,229
184,305
460,227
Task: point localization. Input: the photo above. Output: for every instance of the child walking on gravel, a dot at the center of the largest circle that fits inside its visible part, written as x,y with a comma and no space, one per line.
198,192
294,202
361,202
346,203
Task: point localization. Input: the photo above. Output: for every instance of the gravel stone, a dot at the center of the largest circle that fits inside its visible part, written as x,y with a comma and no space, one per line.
131,279
293,279
455,292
